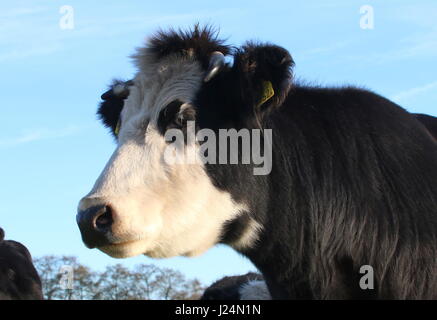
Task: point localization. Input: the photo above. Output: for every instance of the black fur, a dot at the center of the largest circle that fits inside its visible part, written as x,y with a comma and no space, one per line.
228,288
18,277
429,122
110,109
353,180
199,42
353,183
254,64
171,117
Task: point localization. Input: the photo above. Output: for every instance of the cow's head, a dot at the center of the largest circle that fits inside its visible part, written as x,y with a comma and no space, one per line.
144,204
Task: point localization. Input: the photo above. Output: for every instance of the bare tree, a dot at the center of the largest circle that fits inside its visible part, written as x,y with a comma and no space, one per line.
145,280
65,278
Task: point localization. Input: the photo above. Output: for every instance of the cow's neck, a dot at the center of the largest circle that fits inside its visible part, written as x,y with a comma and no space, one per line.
284,239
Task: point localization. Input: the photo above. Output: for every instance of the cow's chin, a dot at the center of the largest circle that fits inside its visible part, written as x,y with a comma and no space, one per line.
162,254
125,250
135,248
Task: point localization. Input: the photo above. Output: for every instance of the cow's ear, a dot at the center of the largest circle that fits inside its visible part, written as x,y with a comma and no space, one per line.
264,73
113,101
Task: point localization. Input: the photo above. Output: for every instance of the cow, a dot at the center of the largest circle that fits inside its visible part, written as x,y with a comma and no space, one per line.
250,286
19,279
347,184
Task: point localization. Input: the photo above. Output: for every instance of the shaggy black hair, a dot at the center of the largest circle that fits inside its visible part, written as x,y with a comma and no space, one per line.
256,63
353,183
18,277
199,42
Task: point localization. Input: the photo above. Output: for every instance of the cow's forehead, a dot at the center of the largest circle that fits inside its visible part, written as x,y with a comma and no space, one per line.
160,82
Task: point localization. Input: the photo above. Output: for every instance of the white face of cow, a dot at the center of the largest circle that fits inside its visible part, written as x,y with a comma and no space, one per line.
156,208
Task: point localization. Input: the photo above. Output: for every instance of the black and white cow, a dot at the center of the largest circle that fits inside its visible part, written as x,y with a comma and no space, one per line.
19,279
250,286
352,181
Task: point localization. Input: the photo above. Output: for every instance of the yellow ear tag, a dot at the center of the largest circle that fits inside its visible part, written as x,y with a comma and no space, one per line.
117,128
268,92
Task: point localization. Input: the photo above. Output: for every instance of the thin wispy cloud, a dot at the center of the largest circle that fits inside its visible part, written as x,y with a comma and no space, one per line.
21,11
105,27
328,49
29,52
422,15
35,31
39,134
416,46
413,92
417,40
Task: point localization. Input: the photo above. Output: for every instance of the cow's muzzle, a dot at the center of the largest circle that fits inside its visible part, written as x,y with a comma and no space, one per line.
95,225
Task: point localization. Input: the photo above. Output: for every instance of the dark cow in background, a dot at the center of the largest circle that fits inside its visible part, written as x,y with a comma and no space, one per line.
352,182
250,286
19,279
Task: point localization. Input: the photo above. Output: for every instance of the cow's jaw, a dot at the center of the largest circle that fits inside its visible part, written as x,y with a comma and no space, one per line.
161,210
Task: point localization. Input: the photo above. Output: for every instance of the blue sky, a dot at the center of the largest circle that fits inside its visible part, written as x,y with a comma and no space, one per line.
52,148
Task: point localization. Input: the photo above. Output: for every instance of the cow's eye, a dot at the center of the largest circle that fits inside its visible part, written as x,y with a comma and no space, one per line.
175,116
171,113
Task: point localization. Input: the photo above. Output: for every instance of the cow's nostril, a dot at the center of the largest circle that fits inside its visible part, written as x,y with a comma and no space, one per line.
95,224
103,220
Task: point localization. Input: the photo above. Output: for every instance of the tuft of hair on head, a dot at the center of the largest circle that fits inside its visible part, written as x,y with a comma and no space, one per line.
2,234
197,43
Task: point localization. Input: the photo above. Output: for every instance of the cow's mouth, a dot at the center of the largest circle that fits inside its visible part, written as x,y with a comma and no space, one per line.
124,249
